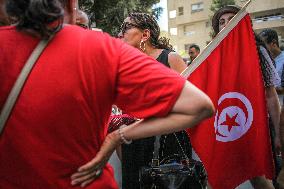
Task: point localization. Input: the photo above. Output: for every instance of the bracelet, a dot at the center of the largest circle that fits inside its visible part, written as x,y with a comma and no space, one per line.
124,140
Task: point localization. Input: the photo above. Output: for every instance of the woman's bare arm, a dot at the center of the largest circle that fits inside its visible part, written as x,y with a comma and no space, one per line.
191,108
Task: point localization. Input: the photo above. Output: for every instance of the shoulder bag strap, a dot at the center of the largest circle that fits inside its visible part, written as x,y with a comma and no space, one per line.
155,159
14,93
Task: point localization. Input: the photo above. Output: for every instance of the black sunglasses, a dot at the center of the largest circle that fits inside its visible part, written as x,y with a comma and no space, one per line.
127,26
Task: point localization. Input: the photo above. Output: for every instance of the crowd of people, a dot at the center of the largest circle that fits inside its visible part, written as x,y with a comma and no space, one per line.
57,134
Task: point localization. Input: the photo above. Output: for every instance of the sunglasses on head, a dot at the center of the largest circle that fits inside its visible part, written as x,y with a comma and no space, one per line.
127,26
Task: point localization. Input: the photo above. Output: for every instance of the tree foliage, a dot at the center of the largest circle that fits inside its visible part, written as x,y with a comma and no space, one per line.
217,4
108,15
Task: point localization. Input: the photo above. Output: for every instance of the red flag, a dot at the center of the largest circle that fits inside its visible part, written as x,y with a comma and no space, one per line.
234,145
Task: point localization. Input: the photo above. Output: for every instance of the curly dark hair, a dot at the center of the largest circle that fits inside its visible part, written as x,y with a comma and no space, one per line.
146,21
260,43
43,17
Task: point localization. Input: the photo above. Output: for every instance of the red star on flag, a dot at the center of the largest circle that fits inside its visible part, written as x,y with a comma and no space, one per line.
230,122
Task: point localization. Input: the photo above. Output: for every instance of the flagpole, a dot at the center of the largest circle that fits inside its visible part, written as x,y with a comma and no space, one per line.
216,41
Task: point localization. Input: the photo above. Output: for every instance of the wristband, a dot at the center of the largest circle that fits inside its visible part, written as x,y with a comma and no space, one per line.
124,140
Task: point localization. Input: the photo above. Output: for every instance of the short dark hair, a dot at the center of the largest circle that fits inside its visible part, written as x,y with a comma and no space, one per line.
269,36
194,46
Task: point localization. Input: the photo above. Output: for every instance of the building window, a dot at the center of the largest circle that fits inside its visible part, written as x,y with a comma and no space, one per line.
197,7
271,17
189,33
173,31
173,14
180,11
189,30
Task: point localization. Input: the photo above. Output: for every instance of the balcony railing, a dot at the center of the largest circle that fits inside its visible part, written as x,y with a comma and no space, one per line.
268,18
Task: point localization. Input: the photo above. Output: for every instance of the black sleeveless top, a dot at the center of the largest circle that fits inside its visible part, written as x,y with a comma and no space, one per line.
140,152
163,57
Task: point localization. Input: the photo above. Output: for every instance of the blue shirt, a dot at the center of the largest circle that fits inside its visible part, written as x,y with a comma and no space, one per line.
279,61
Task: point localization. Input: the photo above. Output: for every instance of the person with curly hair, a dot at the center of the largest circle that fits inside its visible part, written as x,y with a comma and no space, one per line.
142,31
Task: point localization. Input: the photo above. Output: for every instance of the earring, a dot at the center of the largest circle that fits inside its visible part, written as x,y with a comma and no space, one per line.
142,46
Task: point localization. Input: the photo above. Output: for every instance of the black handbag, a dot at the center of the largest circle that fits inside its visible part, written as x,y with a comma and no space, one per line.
172,172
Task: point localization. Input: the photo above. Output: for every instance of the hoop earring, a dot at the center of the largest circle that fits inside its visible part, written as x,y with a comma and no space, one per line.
142,46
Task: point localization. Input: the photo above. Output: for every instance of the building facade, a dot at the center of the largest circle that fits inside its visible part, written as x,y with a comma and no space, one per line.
189,20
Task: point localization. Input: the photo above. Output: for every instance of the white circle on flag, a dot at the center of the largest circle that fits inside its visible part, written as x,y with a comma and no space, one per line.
233,121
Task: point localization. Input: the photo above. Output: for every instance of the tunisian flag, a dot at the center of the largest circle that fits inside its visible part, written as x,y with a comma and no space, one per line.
234,145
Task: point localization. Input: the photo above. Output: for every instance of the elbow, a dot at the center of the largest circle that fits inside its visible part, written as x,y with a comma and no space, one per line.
194,103
207,109
270,93
210,110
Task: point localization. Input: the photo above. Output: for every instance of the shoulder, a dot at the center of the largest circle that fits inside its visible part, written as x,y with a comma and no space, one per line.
8,32
265,53
2,28
174,57
95,42
280,57
269,72
98,38
268,61
262,49
176,62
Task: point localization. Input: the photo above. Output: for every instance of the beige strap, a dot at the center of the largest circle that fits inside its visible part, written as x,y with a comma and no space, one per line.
14,93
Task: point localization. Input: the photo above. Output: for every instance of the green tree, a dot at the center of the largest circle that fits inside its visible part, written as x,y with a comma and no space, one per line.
217,4
108,15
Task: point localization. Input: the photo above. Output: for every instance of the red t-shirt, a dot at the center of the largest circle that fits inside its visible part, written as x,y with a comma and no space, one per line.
60,118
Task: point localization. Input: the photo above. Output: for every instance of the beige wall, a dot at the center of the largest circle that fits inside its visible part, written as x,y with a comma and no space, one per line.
262,5
195,27
268,10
